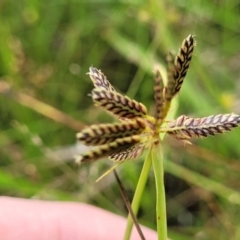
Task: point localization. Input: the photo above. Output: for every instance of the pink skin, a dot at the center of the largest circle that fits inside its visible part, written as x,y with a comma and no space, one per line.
44,220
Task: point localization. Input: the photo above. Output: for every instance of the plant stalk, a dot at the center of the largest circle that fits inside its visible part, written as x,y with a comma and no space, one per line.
138,193
161,216
128,205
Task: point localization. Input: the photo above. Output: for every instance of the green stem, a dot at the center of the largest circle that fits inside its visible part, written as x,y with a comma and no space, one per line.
138,193
157,161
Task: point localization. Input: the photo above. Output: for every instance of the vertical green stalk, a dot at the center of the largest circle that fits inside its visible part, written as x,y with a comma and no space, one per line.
157,161
138,193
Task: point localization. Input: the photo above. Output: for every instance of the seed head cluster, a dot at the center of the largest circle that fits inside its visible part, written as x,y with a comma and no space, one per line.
136,129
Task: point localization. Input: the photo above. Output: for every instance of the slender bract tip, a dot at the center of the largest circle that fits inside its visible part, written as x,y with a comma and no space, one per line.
191,37
78,159
108,171
99,79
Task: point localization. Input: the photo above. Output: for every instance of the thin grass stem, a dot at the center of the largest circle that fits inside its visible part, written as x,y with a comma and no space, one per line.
138,193
161,216
128,205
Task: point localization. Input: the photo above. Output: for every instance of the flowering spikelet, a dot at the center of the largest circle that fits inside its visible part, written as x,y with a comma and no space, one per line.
99,80
178,71
170,59
130,153
158,96
108,149
100,134
185,127
119,105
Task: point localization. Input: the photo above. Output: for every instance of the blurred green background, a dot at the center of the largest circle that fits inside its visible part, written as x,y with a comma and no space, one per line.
46,48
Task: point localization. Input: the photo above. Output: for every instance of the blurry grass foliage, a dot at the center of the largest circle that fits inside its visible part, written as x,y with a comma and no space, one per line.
45,50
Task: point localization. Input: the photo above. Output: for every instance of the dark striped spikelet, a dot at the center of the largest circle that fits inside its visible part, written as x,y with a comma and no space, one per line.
99,80
170,59
120,144
119,105
177,71
100,134
184,128
158,97
130,153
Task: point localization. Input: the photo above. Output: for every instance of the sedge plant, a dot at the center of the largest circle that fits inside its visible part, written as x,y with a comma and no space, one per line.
137,130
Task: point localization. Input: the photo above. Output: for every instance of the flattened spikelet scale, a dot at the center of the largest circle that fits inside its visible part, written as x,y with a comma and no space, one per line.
170,59
177,73
158,96
99,80
108,149
185,127
119,105
105,133
130,153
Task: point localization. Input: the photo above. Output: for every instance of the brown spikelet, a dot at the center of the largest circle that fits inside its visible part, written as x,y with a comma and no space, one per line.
178,70
158,96
185,127
119,105
99,79
100,134
170,59
106,150
130,153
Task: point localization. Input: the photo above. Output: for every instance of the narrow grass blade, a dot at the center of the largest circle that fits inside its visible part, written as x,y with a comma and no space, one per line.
199,180
40,107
